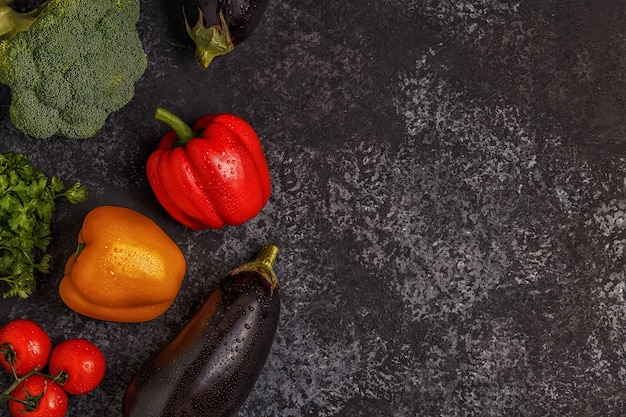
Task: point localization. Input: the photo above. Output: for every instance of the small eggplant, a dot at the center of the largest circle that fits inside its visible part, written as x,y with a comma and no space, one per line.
217,26
210,366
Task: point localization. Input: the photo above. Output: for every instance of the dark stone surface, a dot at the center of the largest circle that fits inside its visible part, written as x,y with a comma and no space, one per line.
449,199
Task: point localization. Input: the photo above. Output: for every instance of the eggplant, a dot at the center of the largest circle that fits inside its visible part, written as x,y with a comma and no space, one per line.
209,368
217,26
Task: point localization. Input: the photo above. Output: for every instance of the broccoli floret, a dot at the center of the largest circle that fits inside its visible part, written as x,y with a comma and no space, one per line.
69,64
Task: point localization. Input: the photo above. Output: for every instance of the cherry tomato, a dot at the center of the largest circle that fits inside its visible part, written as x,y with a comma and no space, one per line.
81,361
53,402
30,346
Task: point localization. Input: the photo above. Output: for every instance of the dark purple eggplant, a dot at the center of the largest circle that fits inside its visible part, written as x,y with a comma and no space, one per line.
210,366
217,26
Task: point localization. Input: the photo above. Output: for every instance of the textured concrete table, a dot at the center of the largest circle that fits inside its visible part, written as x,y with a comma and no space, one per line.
449,199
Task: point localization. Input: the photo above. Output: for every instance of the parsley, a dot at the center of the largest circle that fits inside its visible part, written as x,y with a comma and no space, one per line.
27,202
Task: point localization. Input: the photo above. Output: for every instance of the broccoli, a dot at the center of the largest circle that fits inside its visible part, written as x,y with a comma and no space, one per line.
69,64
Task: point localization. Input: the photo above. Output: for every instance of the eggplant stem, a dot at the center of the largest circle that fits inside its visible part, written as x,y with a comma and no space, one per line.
263,265
267,255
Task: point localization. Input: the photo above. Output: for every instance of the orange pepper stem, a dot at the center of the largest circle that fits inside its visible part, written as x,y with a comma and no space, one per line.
80,248
182,129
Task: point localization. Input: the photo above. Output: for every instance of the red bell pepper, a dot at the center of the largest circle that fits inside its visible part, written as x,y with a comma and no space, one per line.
212,175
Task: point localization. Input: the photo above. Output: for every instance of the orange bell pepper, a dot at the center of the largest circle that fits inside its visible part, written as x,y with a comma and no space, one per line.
126,268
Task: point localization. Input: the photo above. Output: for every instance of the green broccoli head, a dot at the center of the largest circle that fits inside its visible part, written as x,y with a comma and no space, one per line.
73,65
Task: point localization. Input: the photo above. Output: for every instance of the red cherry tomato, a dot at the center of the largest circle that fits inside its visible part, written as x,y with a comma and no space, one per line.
81,361
24,343
53,402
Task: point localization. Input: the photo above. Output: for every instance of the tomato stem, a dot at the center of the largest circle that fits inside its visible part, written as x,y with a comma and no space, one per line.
61,377
31,401
9,355
17,381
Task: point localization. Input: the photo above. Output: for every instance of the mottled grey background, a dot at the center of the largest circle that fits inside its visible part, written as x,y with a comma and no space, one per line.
449,199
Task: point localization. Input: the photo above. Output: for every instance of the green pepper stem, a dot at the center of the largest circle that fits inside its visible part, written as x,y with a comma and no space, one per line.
182,129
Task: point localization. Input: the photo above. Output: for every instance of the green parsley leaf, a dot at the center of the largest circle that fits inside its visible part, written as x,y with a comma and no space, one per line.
27,202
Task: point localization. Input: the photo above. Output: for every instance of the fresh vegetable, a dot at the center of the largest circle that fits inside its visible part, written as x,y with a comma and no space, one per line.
69,64
209,368
78,366
24,346
38,396
217,26
211,176
27,201
125,269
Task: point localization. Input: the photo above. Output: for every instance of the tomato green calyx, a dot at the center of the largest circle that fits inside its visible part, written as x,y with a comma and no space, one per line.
8,352
18,380
10,356
31,401
182,129
61,378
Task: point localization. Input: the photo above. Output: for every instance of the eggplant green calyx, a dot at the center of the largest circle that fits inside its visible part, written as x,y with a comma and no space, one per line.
263,265
182,129
210,41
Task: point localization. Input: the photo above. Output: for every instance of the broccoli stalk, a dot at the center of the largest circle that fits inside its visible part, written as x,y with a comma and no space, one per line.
12,22
69,64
